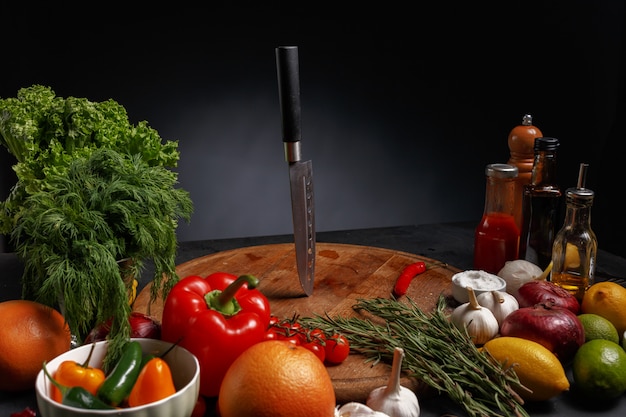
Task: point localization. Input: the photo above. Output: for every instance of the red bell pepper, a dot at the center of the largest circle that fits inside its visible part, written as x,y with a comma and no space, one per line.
216,318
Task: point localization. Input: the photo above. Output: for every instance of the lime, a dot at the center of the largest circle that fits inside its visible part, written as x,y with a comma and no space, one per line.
599,369
597,327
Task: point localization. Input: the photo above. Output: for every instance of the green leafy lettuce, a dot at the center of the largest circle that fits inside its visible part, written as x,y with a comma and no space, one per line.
45,132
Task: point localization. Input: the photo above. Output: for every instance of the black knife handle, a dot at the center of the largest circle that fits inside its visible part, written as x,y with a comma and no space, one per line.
289,91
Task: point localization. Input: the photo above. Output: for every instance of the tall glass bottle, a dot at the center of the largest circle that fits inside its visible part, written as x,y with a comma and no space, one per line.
575,245
496,237
540,205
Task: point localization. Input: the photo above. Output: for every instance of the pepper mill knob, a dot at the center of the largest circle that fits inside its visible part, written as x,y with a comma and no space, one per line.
521,146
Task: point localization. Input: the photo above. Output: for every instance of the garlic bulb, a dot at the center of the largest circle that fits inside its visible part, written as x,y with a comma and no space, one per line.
500,303
354,409
518,272
394,399
480,322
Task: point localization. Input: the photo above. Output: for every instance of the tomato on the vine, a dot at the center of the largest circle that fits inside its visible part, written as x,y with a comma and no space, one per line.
330,350
337,349
317,348
272,334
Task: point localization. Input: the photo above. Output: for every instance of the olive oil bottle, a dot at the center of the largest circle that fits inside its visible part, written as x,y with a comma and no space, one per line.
575,245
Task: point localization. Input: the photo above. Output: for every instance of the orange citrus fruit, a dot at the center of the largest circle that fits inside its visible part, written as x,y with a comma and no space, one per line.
538,369
30,333
607,299
279,379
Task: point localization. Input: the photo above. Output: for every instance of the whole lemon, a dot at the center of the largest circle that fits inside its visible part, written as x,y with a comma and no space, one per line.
538,369
599,369
607,299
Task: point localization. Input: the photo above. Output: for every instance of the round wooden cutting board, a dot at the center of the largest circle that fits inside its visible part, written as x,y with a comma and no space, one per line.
343,274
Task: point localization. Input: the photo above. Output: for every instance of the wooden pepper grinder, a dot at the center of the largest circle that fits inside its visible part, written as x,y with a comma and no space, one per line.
521,145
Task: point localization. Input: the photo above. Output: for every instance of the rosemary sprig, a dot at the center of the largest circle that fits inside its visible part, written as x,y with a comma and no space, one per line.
437,353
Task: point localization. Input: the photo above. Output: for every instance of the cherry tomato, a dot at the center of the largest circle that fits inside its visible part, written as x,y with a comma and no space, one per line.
274,320
337,349
294,338
272,334
317,348
317,335
199,410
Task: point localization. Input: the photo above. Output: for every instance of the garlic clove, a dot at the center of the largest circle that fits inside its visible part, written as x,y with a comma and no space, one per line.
355,409
394,399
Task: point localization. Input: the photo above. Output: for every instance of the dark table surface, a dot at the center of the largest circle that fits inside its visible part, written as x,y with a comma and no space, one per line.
451,243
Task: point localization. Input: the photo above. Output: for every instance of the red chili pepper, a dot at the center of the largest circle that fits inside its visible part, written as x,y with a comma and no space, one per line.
27,412
408,273
406,276
216,318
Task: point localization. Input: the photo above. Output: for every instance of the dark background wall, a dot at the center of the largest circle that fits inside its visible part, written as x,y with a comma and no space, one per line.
402,108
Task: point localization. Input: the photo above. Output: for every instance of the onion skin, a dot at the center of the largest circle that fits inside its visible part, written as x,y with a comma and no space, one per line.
141,325
546,292
556,328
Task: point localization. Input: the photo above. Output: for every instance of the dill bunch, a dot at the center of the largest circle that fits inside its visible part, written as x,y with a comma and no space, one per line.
73,232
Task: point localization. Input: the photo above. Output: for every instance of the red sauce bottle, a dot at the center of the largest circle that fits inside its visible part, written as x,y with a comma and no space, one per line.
496,239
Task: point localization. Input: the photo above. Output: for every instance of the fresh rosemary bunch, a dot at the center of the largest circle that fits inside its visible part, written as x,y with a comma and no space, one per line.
437,353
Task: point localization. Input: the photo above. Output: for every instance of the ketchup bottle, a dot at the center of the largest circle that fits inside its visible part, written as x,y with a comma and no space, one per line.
496,238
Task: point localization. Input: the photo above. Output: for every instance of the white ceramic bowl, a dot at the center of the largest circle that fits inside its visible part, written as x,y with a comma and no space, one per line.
479,281
185,372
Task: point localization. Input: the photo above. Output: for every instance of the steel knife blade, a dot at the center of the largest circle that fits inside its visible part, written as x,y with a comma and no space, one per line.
300,172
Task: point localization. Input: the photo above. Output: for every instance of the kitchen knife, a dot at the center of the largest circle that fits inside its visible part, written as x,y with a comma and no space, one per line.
300,172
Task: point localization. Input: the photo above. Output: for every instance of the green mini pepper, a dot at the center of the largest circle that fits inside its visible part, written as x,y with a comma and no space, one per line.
118,384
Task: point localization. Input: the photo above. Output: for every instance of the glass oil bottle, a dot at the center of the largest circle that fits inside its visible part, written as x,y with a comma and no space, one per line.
575,245
541,204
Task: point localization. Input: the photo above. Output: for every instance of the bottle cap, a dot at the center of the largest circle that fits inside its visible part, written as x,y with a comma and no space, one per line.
546,144
501,171
579,194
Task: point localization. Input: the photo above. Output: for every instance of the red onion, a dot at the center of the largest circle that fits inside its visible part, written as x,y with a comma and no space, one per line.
546,292
141,325
556,328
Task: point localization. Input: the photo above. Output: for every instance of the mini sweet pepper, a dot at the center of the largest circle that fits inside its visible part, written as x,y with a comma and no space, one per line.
154,383
216,318
74,374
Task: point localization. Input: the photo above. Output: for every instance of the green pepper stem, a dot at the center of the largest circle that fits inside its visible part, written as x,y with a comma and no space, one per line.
61,388
224,301
86,363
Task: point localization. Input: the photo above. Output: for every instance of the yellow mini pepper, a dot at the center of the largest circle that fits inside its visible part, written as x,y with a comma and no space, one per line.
74,374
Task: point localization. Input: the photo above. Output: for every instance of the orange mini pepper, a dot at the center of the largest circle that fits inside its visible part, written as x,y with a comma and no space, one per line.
154,383
74,374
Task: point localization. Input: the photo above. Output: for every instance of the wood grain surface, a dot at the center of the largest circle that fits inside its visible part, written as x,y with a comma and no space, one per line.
343,274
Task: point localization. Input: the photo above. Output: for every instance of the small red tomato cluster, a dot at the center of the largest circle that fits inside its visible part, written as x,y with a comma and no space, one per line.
331,349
